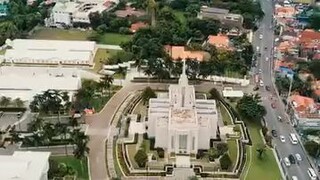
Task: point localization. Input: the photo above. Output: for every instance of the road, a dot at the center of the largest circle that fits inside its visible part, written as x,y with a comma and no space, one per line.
283,128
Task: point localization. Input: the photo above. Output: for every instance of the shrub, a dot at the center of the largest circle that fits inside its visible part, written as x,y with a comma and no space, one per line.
213,154
160,152
200,154
145,136
268,139
152,142
141,158
225,162
264,130
236,129
222,148
153,157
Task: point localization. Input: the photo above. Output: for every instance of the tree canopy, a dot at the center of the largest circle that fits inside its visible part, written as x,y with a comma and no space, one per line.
249,107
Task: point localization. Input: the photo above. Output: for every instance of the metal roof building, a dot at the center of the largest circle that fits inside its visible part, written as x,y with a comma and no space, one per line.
29,51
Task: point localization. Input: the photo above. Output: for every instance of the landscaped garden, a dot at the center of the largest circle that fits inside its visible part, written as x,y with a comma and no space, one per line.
61,166
101,58
75,34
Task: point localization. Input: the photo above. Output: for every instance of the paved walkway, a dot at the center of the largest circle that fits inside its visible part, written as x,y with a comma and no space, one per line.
106,46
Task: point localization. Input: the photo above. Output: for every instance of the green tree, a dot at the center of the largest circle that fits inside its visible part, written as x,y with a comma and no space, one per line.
106,82
312,148
81,149
147,94
215,94
5,101
222,148
18,102
141,158
213,154
225,162
314,21
249,107
261,148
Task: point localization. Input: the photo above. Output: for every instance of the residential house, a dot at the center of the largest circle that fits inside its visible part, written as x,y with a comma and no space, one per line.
180,53
223,15
304,112
138,25
220,41
285,12
129,11
309,42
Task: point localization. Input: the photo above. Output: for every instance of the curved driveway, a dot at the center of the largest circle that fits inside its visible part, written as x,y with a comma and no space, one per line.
99,124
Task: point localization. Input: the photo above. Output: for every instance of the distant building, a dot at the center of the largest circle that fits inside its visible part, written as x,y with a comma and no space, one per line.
24,165
181,123
29,51
129,11
309,42
67,13
3,9
222,15
138,25
26,82
304,112
220,41
180,53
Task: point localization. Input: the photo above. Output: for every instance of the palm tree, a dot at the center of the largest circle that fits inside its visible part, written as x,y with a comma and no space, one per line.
48,132
122,71
151,9
18,102
36,125
106,82
5,101
81,141
62,129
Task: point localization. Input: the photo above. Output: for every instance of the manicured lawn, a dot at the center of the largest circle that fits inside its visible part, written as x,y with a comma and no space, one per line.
262,169
114,38
60,34
74,34
101,58
181,17
225,115
82,172
233,150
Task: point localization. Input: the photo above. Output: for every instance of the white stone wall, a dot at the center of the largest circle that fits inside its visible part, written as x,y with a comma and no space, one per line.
61,17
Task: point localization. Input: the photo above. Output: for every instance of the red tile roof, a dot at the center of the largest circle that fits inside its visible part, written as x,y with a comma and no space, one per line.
136,26
220,41
179,52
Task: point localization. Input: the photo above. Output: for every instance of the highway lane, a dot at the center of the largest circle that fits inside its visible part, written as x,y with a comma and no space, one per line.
283,128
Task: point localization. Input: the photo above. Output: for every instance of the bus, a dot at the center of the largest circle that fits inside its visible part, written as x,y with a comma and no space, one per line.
293,138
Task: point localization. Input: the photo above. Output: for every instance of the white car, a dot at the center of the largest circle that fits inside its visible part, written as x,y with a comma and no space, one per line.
267,59
260,36
286,161
282,139
294,178
261,83
258,48
298,157
260,71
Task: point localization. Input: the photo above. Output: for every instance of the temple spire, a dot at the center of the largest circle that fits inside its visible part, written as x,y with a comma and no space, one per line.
183,80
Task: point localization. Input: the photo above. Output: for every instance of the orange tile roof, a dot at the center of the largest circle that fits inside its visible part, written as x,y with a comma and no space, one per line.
179,52
283,63
309,36
285,11
136,26
302,103
220,41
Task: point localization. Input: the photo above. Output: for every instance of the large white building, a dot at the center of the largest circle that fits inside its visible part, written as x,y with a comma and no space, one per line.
68,12
25,82
30,51
181,123
24,165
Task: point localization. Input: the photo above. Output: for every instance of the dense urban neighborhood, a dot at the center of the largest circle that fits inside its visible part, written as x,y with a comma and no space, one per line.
159,89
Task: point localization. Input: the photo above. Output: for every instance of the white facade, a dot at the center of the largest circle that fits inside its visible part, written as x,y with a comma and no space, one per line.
51,52
181,123
67,13
25,82
24,165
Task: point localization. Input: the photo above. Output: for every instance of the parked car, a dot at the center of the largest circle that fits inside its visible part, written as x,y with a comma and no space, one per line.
294,178
282,139
268,88
260,36
274,133
286,161
256,88
292,159
280,118
298,157
273,105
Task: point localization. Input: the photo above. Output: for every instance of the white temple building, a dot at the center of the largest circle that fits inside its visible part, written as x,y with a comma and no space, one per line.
181,123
